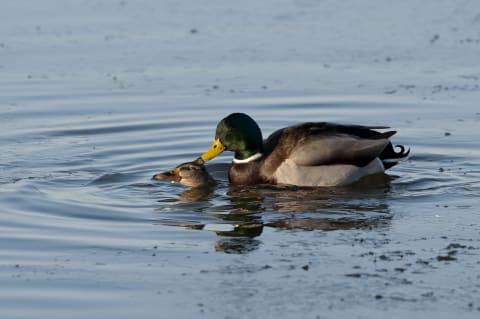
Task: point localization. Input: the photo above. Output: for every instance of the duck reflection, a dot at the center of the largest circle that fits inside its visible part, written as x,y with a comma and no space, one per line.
327,224
196,195
237,245
248,210
314,208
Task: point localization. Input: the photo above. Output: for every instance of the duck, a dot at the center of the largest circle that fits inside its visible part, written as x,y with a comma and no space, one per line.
306,154
191,174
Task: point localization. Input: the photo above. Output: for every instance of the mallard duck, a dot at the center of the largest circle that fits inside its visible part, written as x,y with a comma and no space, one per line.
307,154
191,174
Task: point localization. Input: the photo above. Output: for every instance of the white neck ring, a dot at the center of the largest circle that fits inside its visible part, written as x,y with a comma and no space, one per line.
249,159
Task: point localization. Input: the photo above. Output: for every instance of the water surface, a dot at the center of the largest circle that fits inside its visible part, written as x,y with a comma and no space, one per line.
98,97
83,223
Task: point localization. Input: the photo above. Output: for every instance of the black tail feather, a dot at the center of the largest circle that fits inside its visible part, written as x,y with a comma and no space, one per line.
391,158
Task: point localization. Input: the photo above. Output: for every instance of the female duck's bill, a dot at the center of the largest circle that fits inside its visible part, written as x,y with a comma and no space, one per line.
307,154
191,174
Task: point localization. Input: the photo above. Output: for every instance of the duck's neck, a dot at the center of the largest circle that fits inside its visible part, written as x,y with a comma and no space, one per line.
246,157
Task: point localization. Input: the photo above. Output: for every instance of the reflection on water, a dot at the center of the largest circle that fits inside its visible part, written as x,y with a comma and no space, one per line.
240,215
196,195
237,245
331,223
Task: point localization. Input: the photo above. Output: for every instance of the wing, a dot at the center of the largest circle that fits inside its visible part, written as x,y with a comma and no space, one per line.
337,149
314,144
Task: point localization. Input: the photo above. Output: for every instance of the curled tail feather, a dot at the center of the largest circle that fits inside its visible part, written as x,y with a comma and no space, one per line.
390,157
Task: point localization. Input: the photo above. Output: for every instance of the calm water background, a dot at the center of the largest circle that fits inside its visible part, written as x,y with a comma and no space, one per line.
97,96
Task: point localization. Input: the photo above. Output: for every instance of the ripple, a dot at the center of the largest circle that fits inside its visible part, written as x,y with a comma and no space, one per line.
111,179
125,128
77,182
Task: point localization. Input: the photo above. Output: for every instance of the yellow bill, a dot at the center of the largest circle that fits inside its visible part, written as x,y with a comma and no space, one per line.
214,150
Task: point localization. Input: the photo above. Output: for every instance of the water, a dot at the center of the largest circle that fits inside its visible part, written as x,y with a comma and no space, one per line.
84,231
83,224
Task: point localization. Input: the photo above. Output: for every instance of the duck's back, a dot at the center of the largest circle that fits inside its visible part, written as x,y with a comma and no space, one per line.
323,154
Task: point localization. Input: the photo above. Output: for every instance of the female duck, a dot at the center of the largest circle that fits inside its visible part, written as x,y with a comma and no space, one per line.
308,154
191,174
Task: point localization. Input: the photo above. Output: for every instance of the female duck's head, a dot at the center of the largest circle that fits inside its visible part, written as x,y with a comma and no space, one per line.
191,174
238,133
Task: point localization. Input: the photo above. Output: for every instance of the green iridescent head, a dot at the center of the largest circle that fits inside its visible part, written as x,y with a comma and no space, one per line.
238,133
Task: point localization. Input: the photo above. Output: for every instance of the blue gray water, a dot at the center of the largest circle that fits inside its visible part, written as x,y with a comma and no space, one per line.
84,230
97,96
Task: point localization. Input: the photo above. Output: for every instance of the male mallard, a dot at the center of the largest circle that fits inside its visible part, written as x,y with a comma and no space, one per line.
308,154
